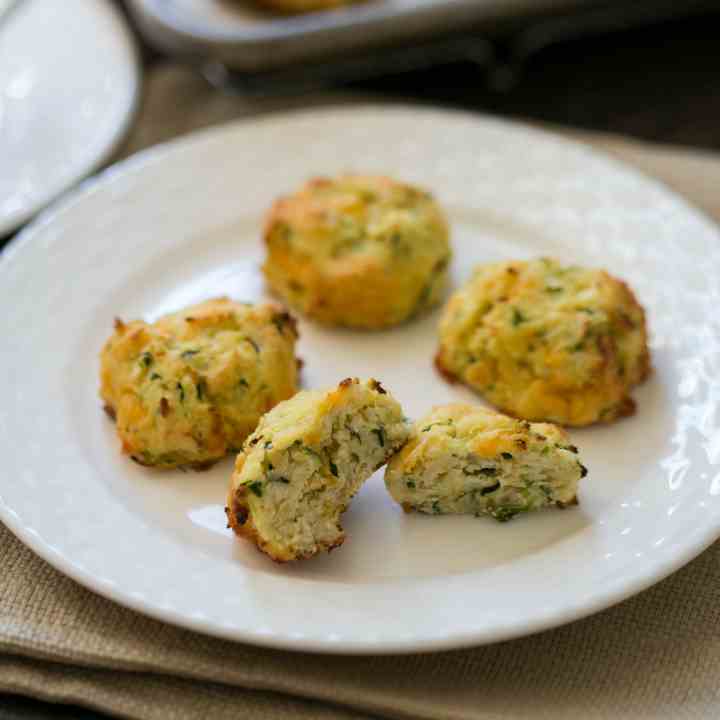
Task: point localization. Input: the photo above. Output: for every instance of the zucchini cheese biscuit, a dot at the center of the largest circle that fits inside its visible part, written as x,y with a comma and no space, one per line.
190,387
358,251
546,341
307,458
464,459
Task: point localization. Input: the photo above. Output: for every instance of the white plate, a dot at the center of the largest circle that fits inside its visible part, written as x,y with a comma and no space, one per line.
69,81
181,223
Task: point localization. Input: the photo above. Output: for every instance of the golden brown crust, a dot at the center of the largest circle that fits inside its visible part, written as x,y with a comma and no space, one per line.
564,505
191,386
357,251
545,341
450,377
239,517
377,385
201,466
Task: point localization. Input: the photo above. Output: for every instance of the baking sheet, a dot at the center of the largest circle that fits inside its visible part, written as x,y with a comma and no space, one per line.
235,33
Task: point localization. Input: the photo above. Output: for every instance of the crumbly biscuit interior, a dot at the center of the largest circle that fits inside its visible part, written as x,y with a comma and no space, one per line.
296,494
479,462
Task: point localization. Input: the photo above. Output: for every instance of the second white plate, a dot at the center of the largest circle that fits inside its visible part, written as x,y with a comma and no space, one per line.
181,223
69,83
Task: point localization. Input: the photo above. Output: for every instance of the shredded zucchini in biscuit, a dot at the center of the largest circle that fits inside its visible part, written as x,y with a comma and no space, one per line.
308,457
464,459
359,251
190,387
546,341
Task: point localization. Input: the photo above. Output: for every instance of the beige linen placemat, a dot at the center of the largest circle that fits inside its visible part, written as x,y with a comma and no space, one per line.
655,656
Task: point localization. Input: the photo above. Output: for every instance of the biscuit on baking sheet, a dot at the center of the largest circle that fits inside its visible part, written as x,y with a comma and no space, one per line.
545,341
357,250
465,459
305,461
302,6
190,387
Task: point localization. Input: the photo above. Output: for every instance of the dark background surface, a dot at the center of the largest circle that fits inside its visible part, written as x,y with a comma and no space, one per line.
658,81
662,84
